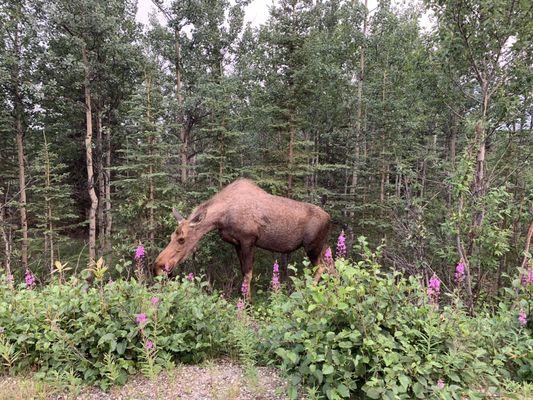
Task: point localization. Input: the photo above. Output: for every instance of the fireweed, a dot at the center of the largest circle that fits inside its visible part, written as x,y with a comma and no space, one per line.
244,289
522,318
459,272
341,246
275,283
29,278
141,319
434,289
240,305
139,261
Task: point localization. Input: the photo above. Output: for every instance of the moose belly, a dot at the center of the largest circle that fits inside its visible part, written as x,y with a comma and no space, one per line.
279,239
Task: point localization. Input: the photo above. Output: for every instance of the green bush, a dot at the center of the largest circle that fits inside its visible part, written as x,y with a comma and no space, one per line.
370,334
95,334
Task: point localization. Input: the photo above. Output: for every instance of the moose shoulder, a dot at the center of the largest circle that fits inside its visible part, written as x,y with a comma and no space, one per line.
248,217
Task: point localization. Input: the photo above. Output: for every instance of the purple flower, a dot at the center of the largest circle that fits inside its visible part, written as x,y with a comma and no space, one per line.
341,246
10,278
328,258
460,272
30,279
522,318
434,288
275,267
240,305
440,384
2,329
244,288
149,344
166,268
275,277
139,252
190,277
154,300
110,281
141,319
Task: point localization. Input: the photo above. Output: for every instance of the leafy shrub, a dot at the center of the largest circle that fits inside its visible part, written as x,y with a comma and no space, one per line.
109,331
370,334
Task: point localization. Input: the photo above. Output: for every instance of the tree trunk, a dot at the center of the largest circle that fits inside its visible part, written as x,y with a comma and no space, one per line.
107,175
7,240
89,158
151,224
101,184
49,236
452,149
22,184
184,134
384,164
18,111
359,122
290,158
527,257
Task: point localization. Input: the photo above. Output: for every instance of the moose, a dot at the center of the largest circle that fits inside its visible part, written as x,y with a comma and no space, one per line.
247,217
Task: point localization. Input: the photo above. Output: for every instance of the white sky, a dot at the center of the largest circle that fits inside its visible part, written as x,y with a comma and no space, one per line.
256,12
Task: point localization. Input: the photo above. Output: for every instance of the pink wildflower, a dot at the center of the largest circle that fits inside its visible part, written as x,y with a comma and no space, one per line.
154,300
434,288
240,305
522,318
190,277
139,252
149,344
10,278
460,272
275,277
141,319
440,384
166,268
30,279
341,246
244,288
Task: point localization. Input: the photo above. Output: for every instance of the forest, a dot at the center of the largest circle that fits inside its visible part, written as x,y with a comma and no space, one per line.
409,123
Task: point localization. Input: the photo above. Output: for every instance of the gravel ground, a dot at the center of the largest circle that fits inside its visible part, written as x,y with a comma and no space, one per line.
220,380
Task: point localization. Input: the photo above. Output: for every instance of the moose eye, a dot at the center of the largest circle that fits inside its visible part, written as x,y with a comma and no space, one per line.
181,240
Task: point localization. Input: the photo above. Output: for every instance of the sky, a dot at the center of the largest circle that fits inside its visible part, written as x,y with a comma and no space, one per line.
256,12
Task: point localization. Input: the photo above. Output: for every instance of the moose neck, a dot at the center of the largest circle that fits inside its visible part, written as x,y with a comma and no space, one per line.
197,232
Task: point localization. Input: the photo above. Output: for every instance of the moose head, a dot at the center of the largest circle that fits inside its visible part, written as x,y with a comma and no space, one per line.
182,242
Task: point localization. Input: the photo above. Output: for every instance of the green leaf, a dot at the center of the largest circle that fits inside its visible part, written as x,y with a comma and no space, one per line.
418,390
327,369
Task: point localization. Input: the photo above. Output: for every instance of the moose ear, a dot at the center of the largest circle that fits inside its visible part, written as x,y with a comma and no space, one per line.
197,217
177,215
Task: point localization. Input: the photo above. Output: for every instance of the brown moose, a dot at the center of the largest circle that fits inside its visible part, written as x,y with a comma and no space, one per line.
247,216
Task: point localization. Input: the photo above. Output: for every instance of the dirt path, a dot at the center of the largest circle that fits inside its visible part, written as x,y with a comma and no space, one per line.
220,380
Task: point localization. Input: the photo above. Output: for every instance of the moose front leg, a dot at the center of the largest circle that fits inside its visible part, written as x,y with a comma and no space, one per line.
246,258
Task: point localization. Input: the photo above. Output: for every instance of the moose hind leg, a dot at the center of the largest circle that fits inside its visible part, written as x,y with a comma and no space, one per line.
315,250
316,257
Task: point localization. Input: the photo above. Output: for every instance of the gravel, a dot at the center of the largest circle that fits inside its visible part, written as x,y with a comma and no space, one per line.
217,380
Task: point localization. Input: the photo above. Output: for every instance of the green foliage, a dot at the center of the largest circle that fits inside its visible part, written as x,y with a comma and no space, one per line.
371,334
93,334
